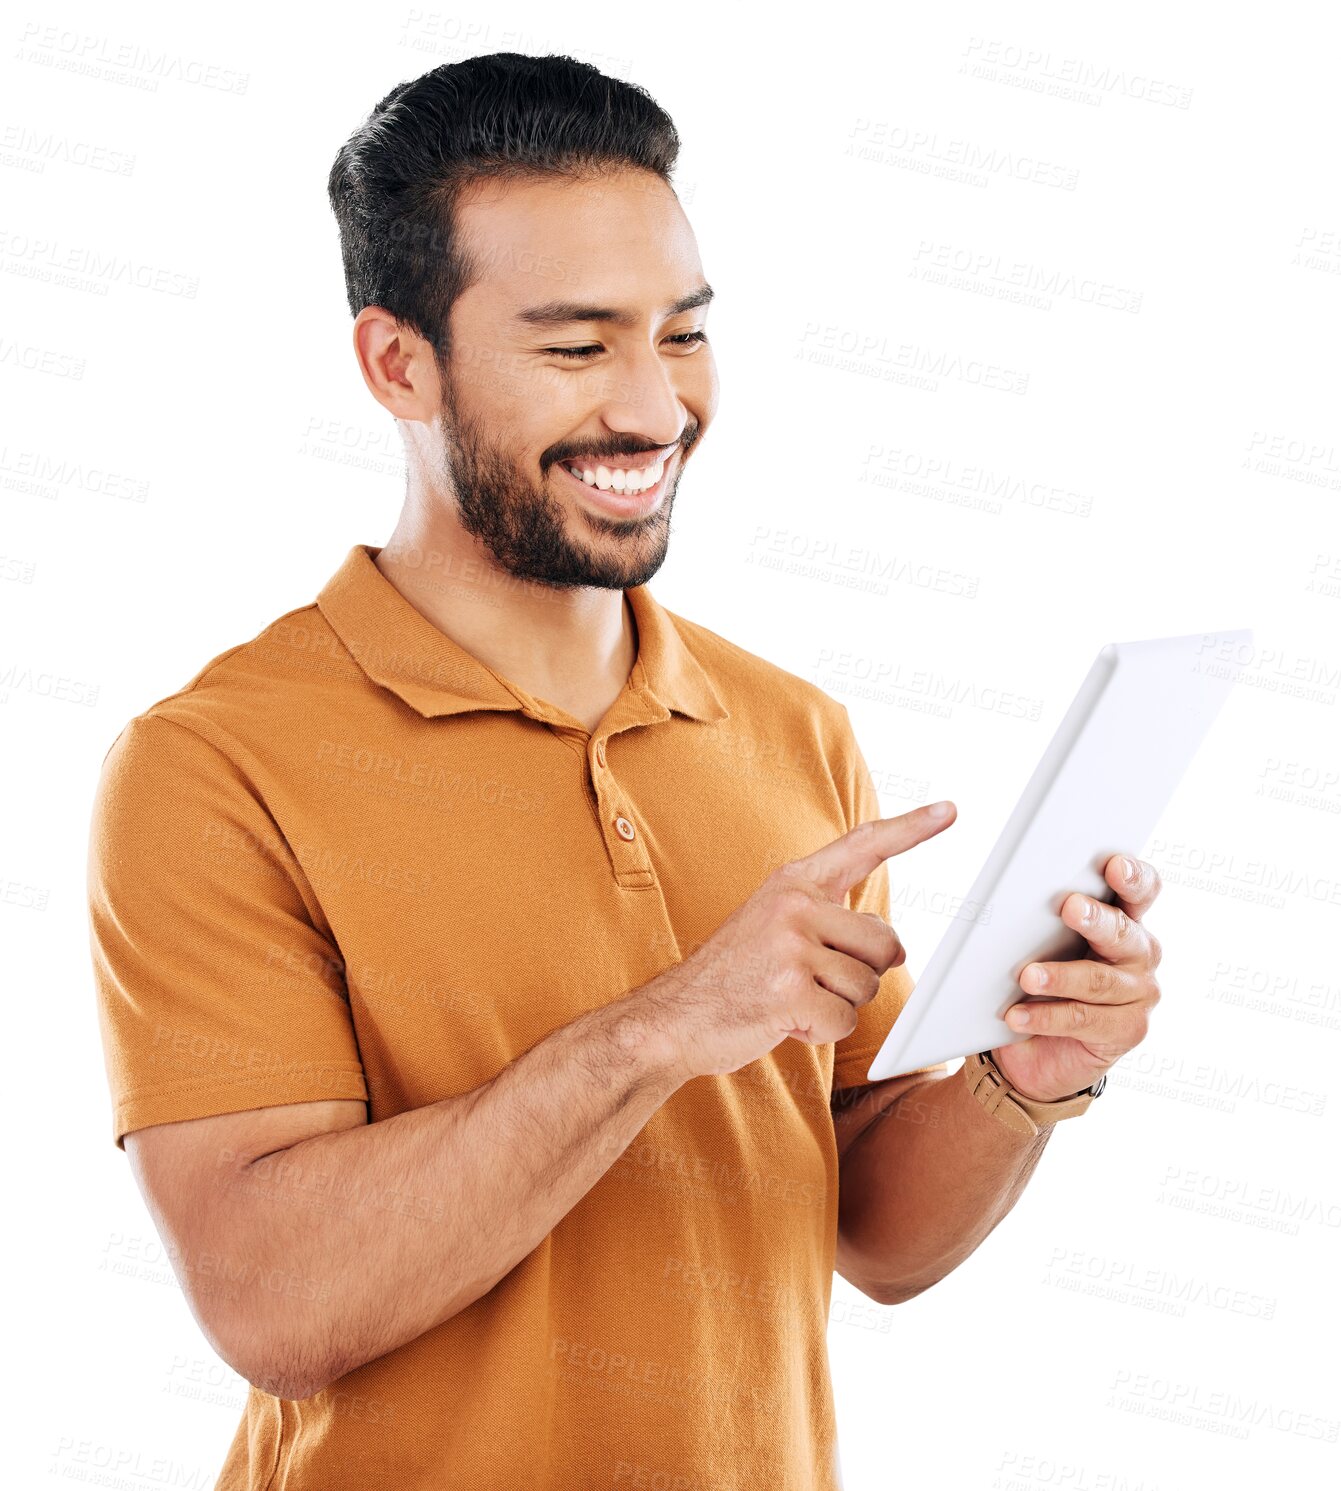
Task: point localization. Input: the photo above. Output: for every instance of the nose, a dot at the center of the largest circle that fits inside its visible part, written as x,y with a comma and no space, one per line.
641,399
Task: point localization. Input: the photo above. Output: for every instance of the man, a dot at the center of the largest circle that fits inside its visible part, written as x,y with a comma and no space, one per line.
489,960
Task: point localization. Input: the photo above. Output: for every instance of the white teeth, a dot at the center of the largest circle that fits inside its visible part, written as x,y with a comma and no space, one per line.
616,479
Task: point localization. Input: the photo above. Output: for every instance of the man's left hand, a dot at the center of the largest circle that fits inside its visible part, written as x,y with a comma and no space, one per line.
1097,1008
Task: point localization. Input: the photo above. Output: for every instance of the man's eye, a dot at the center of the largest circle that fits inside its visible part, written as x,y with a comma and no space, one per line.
685,338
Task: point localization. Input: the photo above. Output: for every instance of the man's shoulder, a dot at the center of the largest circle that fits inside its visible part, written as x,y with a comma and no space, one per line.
251,693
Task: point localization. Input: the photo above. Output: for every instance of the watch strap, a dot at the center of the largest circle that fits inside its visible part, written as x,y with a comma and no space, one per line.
1019,1113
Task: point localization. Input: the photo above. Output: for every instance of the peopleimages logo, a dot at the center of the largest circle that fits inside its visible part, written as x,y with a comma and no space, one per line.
1235,1199
84,268
126,62
1037,70
953,159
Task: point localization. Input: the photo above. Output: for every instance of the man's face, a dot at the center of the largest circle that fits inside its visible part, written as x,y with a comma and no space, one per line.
626,394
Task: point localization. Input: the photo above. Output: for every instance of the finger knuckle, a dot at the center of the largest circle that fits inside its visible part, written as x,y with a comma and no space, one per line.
791,877
787,979
1079,1013
1156,950
1122,926
1103,979
791,900
792,943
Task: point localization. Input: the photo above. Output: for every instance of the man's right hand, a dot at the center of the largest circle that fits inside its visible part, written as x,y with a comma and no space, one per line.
791,961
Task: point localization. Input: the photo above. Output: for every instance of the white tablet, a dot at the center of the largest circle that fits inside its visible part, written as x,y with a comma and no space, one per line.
1098,790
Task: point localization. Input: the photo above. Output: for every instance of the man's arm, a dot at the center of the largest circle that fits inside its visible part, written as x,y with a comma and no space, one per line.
306,1254
925,1174
304,1262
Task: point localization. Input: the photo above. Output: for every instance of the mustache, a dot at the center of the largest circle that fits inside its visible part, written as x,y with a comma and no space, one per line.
685,443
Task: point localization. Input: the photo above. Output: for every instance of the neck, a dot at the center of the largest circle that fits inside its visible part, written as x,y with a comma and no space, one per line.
572,647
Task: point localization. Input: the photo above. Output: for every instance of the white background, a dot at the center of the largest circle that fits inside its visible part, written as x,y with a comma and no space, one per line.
1037,371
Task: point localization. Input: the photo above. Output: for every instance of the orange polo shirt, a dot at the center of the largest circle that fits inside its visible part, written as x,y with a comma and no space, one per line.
349,860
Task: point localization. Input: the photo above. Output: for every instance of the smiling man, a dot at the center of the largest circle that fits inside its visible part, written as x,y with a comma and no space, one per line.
542,461
488,959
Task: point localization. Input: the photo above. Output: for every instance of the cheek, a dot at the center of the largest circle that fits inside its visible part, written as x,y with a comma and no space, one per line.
698,388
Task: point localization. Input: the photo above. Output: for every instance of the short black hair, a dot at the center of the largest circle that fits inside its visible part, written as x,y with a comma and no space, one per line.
395,182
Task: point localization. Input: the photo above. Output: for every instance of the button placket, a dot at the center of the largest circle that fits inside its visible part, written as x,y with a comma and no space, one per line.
623,841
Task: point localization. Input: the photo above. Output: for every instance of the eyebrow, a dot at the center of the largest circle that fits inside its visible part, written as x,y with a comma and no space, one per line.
566,312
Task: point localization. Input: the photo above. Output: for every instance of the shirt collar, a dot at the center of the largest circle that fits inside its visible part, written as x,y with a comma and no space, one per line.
401,649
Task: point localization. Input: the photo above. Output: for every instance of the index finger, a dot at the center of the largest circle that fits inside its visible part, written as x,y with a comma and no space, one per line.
849,859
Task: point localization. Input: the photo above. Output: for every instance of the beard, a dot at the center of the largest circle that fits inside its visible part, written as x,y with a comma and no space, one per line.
525,527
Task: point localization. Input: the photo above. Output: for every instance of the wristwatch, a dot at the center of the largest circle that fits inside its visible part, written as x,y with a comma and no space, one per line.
1024,1115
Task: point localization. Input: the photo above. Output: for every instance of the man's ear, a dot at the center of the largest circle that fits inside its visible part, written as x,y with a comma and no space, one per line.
398,365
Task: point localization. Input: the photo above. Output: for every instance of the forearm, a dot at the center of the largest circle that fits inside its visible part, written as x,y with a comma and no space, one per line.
923,1184
392,1227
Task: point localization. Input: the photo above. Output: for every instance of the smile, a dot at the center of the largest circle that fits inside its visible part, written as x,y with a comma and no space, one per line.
620,490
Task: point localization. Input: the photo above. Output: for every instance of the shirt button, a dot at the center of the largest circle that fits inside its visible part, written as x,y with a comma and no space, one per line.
600,753
624,828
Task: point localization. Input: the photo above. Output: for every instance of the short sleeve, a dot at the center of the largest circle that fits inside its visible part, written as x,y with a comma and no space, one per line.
219,987
853,1055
